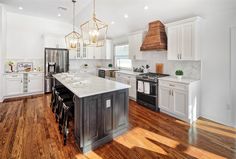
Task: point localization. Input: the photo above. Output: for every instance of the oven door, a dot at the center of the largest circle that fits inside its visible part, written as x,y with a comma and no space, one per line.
153,89
149,100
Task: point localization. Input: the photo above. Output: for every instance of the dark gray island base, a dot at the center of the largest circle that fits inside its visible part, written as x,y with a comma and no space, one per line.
100,118
100,108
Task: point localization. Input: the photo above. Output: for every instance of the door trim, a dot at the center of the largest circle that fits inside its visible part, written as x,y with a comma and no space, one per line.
231,100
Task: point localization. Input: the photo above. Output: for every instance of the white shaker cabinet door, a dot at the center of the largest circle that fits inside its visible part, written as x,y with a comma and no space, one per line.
164,98
35,84
13,86
187,51
180,103
174,42
132,92
90,53
98,53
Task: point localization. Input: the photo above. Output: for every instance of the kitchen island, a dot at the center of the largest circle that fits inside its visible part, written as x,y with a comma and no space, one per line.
100,111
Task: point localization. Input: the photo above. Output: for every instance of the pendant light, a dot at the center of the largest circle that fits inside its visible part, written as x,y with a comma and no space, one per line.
94,31
72,39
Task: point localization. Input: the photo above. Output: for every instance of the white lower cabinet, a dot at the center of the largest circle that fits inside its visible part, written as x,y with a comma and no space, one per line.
180,100
22,84
35,83
130,80
13,84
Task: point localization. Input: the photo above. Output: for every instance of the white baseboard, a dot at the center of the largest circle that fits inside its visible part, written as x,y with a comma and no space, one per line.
22,95
218,121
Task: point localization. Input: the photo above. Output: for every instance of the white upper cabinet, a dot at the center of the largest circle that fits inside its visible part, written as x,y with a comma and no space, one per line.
173,43
135,42
183,39
87,52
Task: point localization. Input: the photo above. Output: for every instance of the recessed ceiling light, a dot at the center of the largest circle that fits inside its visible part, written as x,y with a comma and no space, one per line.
126,16
112,22
146,7
20,8
58,14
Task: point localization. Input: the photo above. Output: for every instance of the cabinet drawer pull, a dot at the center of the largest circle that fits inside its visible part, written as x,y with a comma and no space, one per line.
171,85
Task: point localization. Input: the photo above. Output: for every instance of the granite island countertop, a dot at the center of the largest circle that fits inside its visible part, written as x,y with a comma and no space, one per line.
84,85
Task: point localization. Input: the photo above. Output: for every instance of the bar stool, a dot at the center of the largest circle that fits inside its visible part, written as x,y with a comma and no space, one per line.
57,93
67,116
54,89
62,97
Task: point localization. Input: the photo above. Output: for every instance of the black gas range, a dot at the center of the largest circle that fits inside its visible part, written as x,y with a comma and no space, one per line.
147,90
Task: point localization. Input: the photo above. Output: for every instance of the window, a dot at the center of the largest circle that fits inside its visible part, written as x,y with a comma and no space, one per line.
122,57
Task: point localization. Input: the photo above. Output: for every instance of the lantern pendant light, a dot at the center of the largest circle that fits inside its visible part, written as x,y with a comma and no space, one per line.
94,31
72,39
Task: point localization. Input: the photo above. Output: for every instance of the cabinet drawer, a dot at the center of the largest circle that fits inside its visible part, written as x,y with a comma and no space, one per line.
35,75
12,76
123,75
173,85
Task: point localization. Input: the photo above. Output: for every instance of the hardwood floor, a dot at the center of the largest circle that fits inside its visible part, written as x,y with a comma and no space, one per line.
28,131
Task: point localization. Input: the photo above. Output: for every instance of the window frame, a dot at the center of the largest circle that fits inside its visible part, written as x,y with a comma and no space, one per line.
115,57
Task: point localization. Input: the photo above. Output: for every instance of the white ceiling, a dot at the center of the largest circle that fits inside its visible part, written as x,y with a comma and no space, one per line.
114,10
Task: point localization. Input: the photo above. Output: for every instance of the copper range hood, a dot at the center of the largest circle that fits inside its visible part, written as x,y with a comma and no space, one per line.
156,38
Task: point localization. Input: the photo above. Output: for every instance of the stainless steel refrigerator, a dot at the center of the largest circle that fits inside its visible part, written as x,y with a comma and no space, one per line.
55,61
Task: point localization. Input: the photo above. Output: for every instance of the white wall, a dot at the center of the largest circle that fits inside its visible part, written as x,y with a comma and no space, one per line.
25,35
215,93
233,74
2,46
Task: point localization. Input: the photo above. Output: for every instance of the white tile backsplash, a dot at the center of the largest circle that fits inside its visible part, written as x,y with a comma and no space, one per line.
191,69
77,65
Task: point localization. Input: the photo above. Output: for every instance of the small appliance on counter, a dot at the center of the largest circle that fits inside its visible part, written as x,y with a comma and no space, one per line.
147,90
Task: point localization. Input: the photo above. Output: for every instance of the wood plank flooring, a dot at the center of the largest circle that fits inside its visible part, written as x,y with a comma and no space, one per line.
28,131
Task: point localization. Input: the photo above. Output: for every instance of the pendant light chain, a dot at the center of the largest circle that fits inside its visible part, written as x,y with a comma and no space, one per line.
74,15
94,14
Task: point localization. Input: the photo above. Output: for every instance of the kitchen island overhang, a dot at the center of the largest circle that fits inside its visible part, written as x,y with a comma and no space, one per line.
101,108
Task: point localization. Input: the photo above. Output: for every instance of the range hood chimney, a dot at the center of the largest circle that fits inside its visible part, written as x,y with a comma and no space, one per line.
156,37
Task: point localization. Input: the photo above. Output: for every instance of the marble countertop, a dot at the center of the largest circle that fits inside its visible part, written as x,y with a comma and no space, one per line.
9,73
183,80
107,69
129,72
84,85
